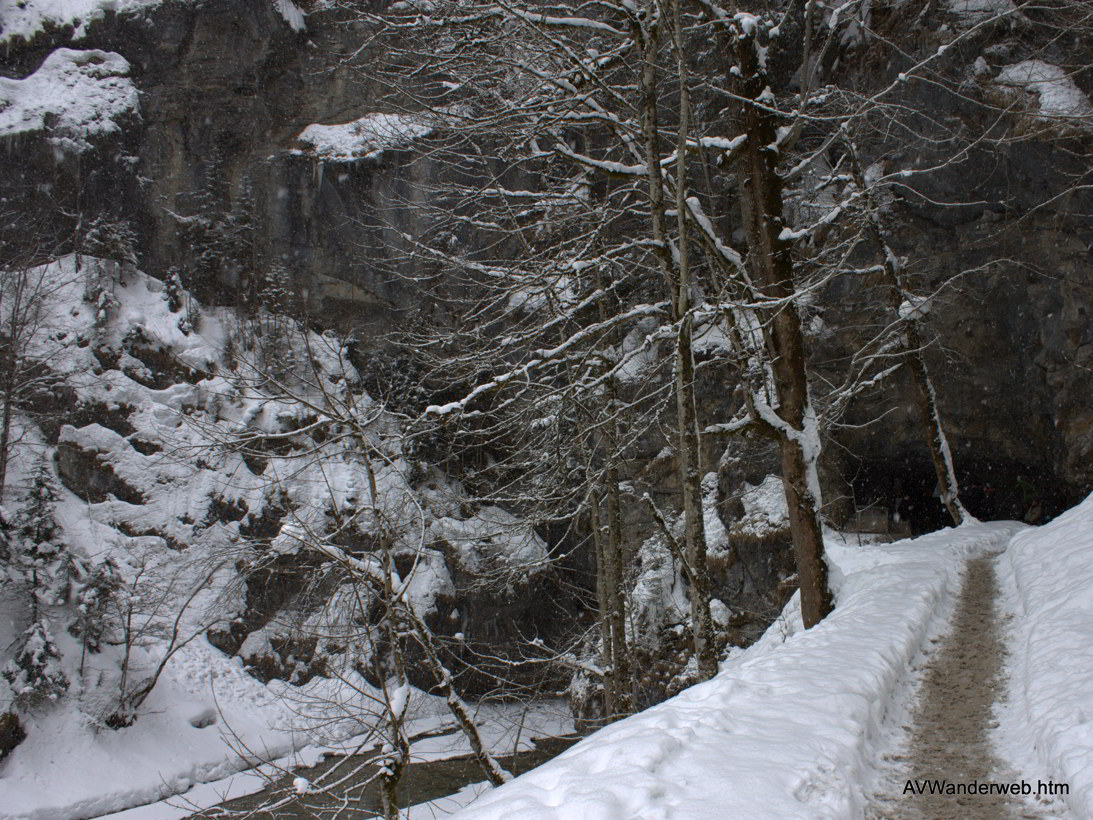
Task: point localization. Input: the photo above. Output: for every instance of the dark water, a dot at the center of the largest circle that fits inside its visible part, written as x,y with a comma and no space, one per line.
356,797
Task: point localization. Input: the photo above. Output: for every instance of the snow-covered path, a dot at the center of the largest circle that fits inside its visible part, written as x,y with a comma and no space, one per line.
794,726
948,740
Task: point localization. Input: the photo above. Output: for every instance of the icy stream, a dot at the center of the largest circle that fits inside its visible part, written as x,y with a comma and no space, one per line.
423,783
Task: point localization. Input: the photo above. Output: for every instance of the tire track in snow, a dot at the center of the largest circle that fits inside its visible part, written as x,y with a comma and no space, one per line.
948,737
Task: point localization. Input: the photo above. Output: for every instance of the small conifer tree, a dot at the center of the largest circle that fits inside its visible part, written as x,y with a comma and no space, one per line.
40,555
35,673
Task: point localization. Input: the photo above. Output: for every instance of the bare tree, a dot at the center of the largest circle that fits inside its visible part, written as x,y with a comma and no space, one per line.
30,348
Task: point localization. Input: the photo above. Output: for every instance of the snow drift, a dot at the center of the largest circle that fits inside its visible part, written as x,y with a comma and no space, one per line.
1047,725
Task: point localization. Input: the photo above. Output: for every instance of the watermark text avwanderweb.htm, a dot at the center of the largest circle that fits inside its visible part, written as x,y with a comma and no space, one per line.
1022,787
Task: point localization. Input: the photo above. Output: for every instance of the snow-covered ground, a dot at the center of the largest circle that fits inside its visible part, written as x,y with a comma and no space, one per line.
505,728
791,726
1046,725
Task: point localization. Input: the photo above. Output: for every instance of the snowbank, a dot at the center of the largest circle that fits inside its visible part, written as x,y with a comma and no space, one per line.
788,727
206,705
75,95
1046,729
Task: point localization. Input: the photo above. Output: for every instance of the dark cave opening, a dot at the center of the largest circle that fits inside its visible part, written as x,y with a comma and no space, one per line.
991,489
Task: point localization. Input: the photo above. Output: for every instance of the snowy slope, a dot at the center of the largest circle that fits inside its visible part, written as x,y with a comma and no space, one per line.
787,729
151,411
1046,726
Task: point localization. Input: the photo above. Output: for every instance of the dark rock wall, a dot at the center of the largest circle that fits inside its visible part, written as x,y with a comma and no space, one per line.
226,85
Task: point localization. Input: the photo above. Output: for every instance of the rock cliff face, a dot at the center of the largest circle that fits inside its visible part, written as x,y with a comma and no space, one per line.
227,86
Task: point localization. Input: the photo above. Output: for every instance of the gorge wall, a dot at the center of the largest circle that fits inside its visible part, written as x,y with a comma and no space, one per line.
227,86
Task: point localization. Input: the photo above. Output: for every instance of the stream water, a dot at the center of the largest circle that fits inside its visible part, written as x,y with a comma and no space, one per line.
357,795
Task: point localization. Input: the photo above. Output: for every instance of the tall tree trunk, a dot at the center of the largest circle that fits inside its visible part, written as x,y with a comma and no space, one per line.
613,554
771,262
5,436
398,757
690,451
616,592
914,352
605,602
679,285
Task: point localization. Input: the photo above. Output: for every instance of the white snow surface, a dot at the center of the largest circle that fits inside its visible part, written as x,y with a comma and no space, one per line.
292,14
1046,727
788,727
67,769
492,536
74,95
365,137
1059,96
503,727
27,19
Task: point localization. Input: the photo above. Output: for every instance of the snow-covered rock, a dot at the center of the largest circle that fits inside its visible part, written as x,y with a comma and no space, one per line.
365,137
75,96
1059,97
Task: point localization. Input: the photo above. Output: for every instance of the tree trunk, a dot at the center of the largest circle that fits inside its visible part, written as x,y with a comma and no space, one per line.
678,281
486,762
771,261
616,593
690,450
5,438
914,355
603,598
619,681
